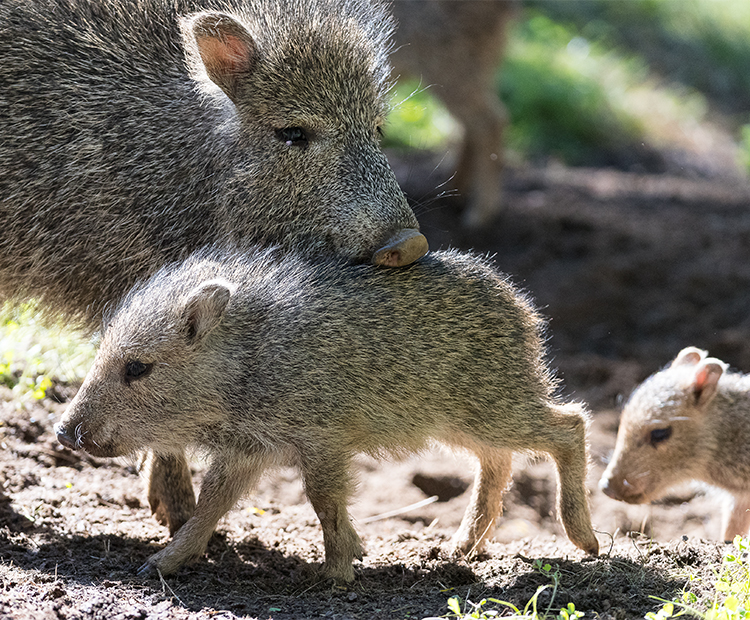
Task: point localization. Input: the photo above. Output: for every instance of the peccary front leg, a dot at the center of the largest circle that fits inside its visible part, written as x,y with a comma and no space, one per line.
737,518
224,484
328,487
170,490
491,481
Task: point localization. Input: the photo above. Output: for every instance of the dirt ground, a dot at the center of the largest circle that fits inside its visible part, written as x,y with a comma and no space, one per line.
629,267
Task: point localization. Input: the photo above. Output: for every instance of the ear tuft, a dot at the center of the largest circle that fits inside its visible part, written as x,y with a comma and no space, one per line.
689,356
226,48
205,307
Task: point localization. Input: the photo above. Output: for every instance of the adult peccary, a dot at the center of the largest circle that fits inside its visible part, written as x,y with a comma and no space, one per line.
134,131
455,48
262,361
690,421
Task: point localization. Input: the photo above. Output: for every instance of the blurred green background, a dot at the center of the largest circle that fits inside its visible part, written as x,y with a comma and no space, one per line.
587,82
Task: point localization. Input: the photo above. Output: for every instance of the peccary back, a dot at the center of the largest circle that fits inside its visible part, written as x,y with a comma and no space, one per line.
134,131
262,360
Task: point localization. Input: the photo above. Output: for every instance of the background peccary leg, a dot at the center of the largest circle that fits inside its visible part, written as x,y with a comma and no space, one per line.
738,518
170,490
328,486
224,484
491,481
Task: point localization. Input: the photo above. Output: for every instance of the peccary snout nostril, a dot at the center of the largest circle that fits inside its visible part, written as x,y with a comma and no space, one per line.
64,438
403,248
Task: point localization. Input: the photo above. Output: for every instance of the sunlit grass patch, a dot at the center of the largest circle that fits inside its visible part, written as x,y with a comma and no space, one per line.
36,354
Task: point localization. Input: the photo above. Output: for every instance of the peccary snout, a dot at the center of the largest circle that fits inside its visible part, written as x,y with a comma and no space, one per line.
65,437
689,421
403,248
263,359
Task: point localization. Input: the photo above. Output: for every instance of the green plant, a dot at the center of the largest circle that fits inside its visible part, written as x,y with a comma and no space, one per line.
531,611
731,598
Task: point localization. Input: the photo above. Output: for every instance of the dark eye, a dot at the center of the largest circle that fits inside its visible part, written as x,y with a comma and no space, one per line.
660,434
292,136
136,370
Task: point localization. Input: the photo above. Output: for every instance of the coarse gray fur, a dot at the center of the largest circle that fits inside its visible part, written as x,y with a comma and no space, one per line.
118,154
263,359
689,421
134,131
455,48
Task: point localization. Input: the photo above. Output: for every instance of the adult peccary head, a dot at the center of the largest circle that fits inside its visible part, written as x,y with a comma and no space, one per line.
689,421
134,131
262,361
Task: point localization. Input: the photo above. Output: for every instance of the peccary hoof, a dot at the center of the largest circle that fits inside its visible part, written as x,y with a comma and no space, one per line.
403,248
147,570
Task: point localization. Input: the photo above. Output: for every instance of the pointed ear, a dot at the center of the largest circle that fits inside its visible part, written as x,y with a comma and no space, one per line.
227,50
204,308
689,356
706,379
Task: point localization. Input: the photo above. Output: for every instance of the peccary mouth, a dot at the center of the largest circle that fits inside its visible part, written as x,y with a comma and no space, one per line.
77,440
405,247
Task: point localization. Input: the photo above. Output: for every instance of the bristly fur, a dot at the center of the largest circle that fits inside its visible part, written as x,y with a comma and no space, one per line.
263,357
113,161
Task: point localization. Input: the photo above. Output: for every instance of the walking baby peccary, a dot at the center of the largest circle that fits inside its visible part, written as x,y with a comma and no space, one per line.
690,421
133,132
263,360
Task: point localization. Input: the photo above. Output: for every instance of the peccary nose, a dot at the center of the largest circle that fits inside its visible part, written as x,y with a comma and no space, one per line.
403,248
63,437
611,488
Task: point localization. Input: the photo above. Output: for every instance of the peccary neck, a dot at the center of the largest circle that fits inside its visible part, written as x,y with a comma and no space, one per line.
728,425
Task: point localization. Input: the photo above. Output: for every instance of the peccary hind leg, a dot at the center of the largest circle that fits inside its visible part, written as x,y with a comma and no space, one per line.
170,490
328,487
565,439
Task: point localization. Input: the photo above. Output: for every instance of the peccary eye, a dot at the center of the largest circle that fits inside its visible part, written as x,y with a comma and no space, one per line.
659,435
292,136
136,370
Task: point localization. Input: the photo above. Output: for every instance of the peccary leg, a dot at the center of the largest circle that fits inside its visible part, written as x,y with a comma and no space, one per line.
223,485
491,481
170,490
328,486
737,518
564,438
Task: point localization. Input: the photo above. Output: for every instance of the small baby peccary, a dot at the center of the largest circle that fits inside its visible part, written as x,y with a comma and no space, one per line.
689,421
455,49
261,359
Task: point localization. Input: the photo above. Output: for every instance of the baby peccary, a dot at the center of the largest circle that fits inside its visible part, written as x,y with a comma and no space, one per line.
133,132
264,361
690,421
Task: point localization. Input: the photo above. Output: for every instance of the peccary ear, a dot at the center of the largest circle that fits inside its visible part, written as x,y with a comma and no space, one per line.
706,379
689,356
204,308
226,48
